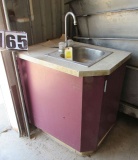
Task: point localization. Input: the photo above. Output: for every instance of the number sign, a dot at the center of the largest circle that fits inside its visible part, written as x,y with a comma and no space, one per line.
13,40
16,40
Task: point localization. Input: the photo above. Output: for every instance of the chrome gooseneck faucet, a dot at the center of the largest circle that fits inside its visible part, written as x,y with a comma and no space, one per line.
75,23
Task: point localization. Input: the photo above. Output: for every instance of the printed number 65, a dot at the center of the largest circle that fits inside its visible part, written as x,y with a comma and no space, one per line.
11,41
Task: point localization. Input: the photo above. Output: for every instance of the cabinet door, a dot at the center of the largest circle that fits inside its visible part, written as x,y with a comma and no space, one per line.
111,98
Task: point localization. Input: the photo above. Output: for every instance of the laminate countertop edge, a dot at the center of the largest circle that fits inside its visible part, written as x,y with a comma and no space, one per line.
37,54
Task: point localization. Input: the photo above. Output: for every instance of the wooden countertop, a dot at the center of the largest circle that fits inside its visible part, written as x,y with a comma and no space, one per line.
106,66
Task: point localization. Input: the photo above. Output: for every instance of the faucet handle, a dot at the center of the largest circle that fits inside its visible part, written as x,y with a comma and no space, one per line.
70,42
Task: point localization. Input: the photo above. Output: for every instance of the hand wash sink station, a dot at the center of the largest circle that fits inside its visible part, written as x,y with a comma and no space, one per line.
74,101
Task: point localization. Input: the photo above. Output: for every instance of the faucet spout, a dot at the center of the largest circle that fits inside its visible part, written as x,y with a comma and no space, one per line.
75,23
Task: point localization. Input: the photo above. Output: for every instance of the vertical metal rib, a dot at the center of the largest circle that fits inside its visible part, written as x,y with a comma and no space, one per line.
21,94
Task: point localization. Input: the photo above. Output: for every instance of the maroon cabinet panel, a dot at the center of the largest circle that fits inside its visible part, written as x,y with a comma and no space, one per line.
75,110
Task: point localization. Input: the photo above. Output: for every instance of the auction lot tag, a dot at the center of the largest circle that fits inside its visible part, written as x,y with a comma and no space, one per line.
16,40
2,41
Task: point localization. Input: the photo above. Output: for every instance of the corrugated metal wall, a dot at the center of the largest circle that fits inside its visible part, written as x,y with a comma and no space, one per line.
48,18
113,24
2,23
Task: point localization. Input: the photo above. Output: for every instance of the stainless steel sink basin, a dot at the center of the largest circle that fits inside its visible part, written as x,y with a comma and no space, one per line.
83,55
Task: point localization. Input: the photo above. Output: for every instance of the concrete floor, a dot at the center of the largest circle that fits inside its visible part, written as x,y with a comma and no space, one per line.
120,144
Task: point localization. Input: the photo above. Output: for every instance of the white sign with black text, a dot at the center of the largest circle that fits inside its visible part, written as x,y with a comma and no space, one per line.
13,40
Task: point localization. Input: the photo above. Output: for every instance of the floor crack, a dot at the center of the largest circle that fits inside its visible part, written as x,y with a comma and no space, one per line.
6,130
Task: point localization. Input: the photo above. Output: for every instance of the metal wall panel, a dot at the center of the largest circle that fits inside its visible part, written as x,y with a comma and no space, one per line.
47,23
2,23
81,7
130,88
130,45
111,25
37,23
83,28
108,18
57,18
18,9
47,20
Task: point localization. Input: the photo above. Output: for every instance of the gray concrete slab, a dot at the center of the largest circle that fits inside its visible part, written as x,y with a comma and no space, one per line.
120,144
